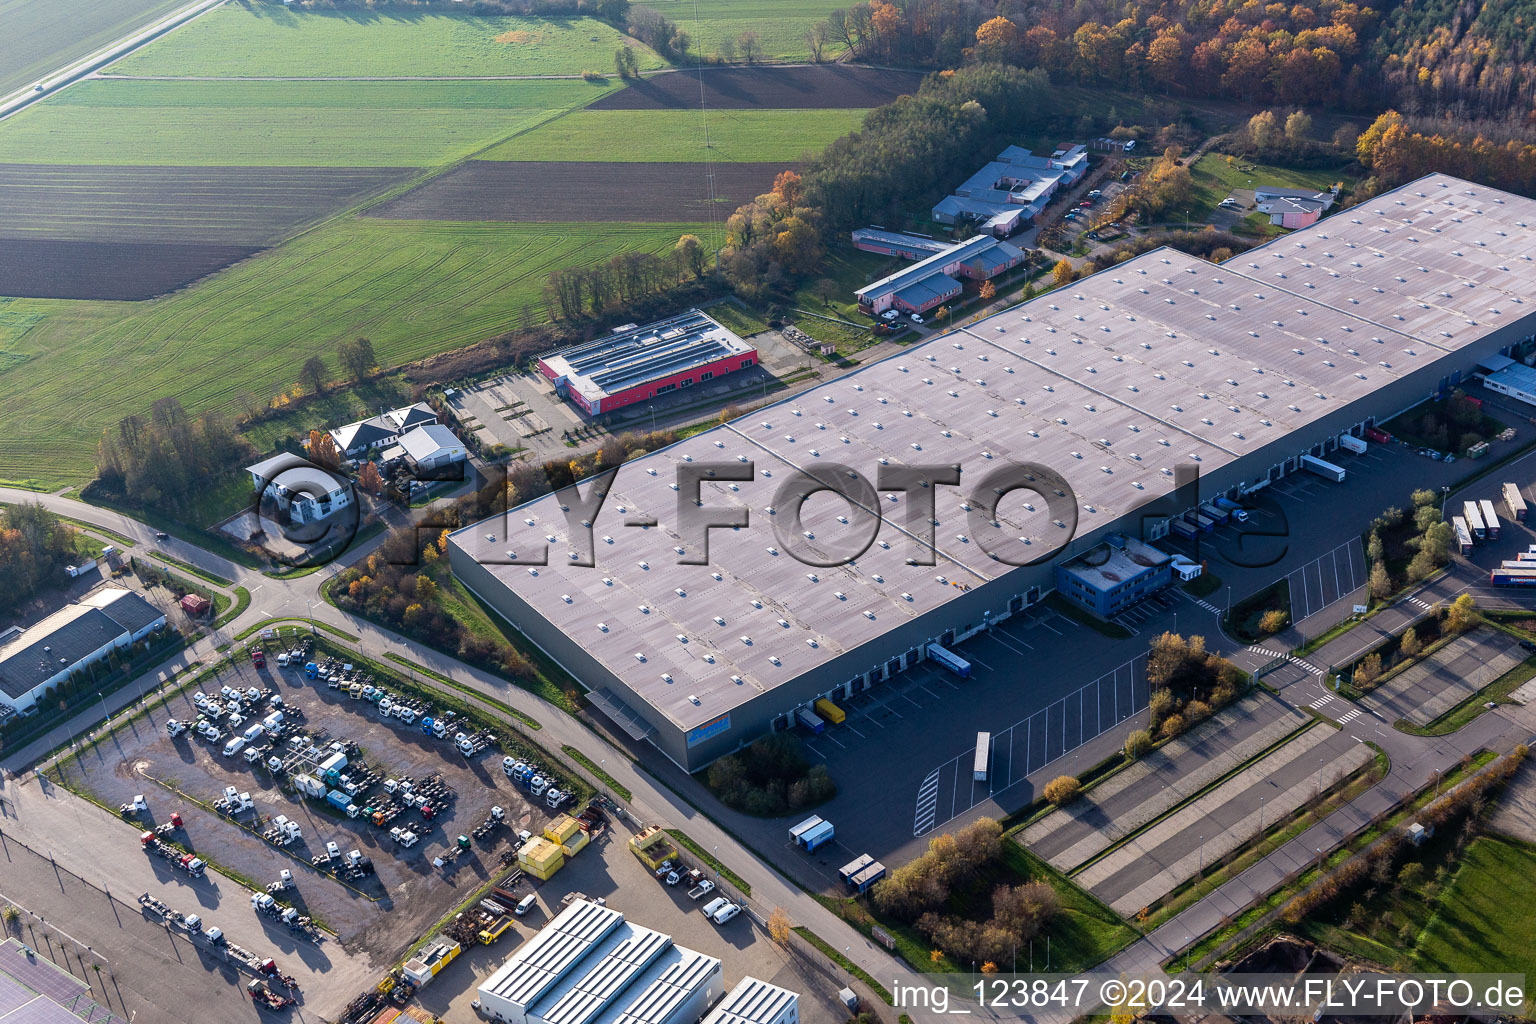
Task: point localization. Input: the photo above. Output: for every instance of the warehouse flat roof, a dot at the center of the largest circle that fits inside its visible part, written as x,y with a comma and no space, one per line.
666,985
636,355
752,1002
538,964
607,970
1110,381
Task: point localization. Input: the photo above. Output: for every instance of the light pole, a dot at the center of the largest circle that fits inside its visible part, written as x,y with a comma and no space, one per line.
1202,856
1445,494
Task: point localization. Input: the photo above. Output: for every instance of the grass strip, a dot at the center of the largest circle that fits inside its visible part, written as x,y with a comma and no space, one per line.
93,528
202,574
275,623
598,773
842,961
468,691
711,860
242,602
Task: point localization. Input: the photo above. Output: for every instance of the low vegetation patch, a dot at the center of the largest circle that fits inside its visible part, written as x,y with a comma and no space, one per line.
1188,683
1404,548
1419,641
770,777
1261,615
1452,424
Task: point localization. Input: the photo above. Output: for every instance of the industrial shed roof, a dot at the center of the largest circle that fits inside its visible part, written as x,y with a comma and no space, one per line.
1109,381
632,356
752,1002
537,965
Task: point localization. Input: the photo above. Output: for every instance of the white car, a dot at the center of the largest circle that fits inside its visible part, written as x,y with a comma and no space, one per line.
714,906
915,317
889,314
725,913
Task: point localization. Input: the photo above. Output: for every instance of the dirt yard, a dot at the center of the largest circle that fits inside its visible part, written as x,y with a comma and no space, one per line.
380,917
507,190
819,87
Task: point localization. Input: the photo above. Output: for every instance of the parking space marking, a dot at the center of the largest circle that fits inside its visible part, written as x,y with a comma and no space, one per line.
1057,739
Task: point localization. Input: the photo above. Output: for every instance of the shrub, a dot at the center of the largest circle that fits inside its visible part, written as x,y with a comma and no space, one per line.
1273,621
1063,789
1137,743
1161,706
1172,726
770,777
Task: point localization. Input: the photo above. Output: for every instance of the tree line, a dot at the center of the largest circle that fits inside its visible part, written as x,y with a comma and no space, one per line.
1397,149
165,458
915,146
624,281
35,546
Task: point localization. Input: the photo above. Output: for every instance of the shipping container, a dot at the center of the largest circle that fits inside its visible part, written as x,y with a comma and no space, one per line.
1350,442
1214,512
1377,435
811,721
1180,527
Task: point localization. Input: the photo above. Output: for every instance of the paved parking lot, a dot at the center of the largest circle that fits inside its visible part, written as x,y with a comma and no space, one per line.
1448,677
519,410
1030,744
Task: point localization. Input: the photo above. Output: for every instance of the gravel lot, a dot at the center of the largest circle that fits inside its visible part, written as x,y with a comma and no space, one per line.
380,917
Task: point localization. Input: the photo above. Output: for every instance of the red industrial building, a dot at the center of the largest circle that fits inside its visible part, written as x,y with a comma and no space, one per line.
634,364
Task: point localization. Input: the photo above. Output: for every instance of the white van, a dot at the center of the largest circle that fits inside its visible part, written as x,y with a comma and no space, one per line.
253,733
526,904
234,746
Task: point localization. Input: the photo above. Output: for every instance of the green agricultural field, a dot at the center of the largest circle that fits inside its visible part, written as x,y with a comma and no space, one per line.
413,287
254,38
44,36
289,124
735,136
780,25
1215,178
1476,926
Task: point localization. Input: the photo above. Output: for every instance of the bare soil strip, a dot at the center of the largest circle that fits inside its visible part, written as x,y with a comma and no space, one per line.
59,269
504,190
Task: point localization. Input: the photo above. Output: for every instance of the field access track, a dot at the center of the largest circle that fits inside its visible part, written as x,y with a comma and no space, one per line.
239,205
505,190
810,87
43,268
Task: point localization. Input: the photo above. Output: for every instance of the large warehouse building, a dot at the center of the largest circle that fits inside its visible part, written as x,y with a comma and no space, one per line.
1124,383
634,364
590,966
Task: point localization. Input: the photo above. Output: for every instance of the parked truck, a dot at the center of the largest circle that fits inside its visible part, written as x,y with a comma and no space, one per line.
1351,443
950,660
1326,470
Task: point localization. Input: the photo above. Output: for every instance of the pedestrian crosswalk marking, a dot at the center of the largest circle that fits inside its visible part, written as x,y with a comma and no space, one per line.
1350,716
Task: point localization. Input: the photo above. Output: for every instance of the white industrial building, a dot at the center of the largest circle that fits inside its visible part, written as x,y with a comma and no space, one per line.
756,1002
71,639
590,966
1128,384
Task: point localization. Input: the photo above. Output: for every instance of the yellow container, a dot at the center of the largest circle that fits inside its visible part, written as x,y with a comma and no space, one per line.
541,858
574,845
561,829
831,712
652,846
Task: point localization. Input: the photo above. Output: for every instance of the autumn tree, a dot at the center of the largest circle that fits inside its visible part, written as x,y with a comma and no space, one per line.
1062,273
1272,621
1410,644
691,255
1297,127
368,478
1165,57
322,449
1368,670
1063,789
788,189
1264,130
1380,583
996,40
1461,615
1137,743
750,45
313,374
988,291
797,246
357,356
779,926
